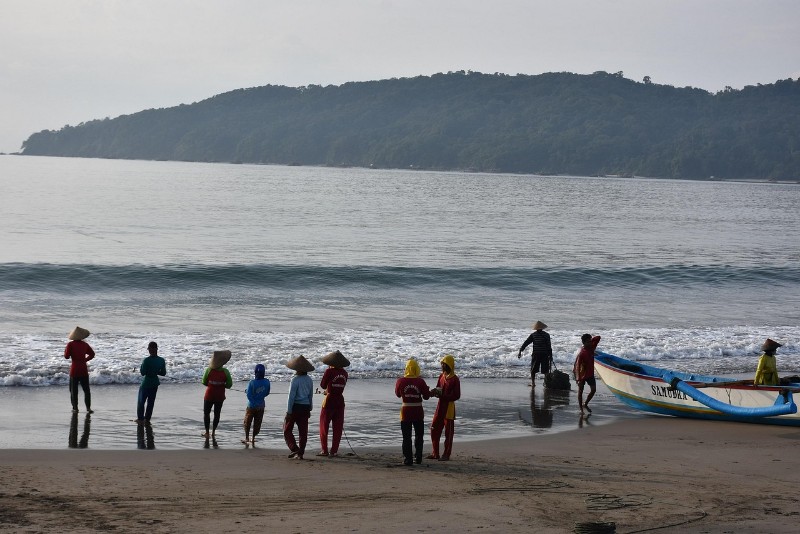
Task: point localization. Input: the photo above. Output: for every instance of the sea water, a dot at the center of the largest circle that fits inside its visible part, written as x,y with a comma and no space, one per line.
271,262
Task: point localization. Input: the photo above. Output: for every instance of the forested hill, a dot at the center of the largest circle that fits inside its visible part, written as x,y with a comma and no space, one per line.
556,123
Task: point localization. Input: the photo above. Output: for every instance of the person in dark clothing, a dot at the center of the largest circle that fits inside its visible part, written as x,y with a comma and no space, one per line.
80,352
152,367
542,352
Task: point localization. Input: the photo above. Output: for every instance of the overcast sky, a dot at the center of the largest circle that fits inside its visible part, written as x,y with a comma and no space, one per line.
68,61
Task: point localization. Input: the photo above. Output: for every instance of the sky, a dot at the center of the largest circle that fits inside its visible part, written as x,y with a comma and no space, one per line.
69,61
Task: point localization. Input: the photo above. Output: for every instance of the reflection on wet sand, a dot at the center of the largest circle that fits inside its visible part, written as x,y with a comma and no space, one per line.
73,431
488,408
144,436
542,411
583,420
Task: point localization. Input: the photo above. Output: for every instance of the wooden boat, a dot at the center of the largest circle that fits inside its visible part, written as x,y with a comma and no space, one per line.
665,392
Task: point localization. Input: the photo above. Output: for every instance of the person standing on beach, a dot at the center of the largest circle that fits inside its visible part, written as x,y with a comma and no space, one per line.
152,367
767,370
412,389
448,391
301,393
80,353
217,379
541,353
333,382
584,369
257,390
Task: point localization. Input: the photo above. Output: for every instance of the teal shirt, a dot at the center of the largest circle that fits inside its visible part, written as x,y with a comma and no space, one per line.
151,368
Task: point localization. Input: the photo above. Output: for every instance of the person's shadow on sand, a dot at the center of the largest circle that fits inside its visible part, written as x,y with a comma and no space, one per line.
144,436
73,432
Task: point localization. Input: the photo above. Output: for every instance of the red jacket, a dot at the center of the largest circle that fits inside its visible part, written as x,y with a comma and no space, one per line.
584,362
333,382
216,380
80,352
412,391
451,392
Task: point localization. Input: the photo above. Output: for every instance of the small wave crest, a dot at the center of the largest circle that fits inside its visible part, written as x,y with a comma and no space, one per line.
70,279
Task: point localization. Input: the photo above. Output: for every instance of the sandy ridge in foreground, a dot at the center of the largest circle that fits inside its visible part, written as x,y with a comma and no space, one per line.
648,474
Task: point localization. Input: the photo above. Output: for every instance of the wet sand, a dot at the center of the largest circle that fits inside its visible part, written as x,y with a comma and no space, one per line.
551,472
643,474
41,417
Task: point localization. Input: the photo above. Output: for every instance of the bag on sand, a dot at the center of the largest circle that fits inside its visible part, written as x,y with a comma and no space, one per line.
556,379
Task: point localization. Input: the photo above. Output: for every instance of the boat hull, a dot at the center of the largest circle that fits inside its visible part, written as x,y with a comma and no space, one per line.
642,387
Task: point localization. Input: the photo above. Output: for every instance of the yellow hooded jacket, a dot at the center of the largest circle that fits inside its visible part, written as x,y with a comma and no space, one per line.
451,389
412,369
767,371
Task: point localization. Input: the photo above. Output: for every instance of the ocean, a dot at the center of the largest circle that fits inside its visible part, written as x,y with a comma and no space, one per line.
271,262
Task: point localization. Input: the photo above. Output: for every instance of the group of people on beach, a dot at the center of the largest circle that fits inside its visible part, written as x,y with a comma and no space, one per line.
410,388
582,369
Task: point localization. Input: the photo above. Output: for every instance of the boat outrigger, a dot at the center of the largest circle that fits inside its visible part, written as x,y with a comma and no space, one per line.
665,392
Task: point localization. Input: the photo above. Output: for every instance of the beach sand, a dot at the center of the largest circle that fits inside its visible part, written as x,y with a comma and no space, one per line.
643,474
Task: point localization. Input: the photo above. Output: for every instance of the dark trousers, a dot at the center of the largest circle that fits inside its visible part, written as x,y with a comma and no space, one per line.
207,405
83,381
300,415
146,396
542,365
419,433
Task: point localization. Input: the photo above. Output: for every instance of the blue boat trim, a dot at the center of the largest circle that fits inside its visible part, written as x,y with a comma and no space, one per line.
784,403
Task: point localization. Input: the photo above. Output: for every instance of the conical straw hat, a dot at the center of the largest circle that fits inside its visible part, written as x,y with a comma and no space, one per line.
336,359
78,334
300,364
539,325
220,358
770,344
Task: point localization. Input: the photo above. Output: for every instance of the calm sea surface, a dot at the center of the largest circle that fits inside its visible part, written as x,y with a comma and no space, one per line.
271,262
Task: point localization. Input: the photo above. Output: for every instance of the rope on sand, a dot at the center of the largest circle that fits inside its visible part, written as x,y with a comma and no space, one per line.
702,515
344,433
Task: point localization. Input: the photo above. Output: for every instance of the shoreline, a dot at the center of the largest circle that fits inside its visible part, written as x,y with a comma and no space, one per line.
489,408
651,473
429,170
